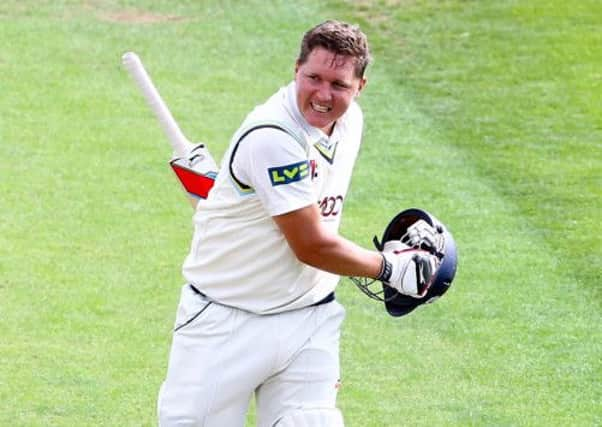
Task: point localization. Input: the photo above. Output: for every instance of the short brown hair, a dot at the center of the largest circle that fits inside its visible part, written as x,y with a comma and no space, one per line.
340,38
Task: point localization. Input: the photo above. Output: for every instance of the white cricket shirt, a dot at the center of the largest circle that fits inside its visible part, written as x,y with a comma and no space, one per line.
238,256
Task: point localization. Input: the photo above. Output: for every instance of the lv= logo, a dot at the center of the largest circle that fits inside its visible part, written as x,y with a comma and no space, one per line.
290,173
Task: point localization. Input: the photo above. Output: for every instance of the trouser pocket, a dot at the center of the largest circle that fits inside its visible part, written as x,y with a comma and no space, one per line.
192,305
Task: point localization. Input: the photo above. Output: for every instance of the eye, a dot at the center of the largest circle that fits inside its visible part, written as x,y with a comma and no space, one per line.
341,85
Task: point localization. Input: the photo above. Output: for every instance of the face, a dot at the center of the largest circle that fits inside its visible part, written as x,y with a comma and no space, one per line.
326,86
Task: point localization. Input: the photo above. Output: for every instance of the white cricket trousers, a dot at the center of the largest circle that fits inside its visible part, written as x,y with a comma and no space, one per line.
221,355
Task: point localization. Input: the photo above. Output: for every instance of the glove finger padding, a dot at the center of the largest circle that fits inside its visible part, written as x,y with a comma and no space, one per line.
412,271
422,235
426,269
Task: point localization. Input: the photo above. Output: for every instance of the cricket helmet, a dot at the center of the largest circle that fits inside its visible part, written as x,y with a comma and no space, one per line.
396,303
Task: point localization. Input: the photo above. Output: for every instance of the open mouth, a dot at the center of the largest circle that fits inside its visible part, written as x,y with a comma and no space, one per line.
320,108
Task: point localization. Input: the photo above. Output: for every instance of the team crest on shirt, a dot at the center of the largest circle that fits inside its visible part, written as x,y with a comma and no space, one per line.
290,173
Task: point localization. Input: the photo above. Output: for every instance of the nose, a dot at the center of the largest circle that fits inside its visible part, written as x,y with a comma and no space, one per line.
324,93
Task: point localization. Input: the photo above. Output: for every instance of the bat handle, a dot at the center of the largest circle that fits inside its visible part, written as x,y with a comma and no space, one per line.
178,141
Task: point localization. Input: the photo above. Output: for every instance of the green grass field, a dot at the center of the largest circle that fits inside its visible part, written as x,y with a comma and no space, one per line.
488,114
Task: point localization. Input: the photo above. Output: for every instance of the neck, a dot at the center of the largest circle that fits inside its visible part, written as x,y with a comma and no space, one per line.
328,129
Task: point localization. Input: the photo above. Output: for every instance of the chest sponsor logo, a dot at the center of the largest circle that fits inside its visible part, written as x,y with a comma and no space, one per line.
290,173
331,205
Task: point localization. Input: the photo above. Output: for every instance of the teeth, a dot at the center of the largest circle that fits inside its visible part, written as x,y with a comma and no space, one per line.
320,108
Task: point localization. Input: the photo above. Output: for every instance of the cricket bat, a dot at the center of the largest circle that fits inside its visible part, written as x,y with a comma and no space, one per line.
192,163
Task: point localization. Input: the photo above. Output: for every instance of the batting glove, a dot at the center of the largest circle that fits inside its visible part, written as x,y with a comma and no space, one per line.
408,270
422,235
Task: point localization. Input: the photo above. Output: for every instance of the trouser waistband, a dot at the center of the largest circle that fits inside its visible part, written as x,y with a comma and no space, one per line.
328,298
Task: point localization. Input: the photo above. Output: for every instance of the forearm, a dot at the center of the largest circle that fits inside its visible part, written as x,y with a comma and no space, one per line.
315,245
338,255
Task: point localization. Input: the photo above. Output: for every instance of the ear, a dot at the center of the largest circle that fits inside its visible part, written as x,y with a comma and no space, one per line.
363,83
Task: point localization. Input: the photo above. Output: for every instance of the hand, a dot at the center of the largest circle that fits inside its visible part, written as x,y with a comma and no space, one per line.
198,159
409,271
199,154
421,235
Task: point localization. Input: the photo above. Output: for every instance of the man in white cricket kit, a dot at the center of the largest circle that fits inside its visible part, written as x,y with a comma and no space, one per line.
258,315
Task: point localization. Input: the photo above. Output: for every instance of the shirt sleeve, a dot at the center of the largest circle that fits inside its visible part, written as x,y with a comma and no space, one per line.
276,166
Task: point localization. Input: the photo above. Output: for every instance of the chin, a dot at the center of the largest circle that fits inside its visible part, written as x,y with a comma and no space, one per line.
320,123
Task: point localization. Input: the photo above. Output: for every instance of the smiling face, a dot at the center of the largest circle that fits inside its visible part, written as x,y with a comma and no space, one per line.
326,86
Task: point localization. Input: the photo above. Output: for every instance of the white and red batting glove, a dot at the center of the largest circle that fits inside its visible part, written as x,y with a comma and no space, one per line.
406,269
